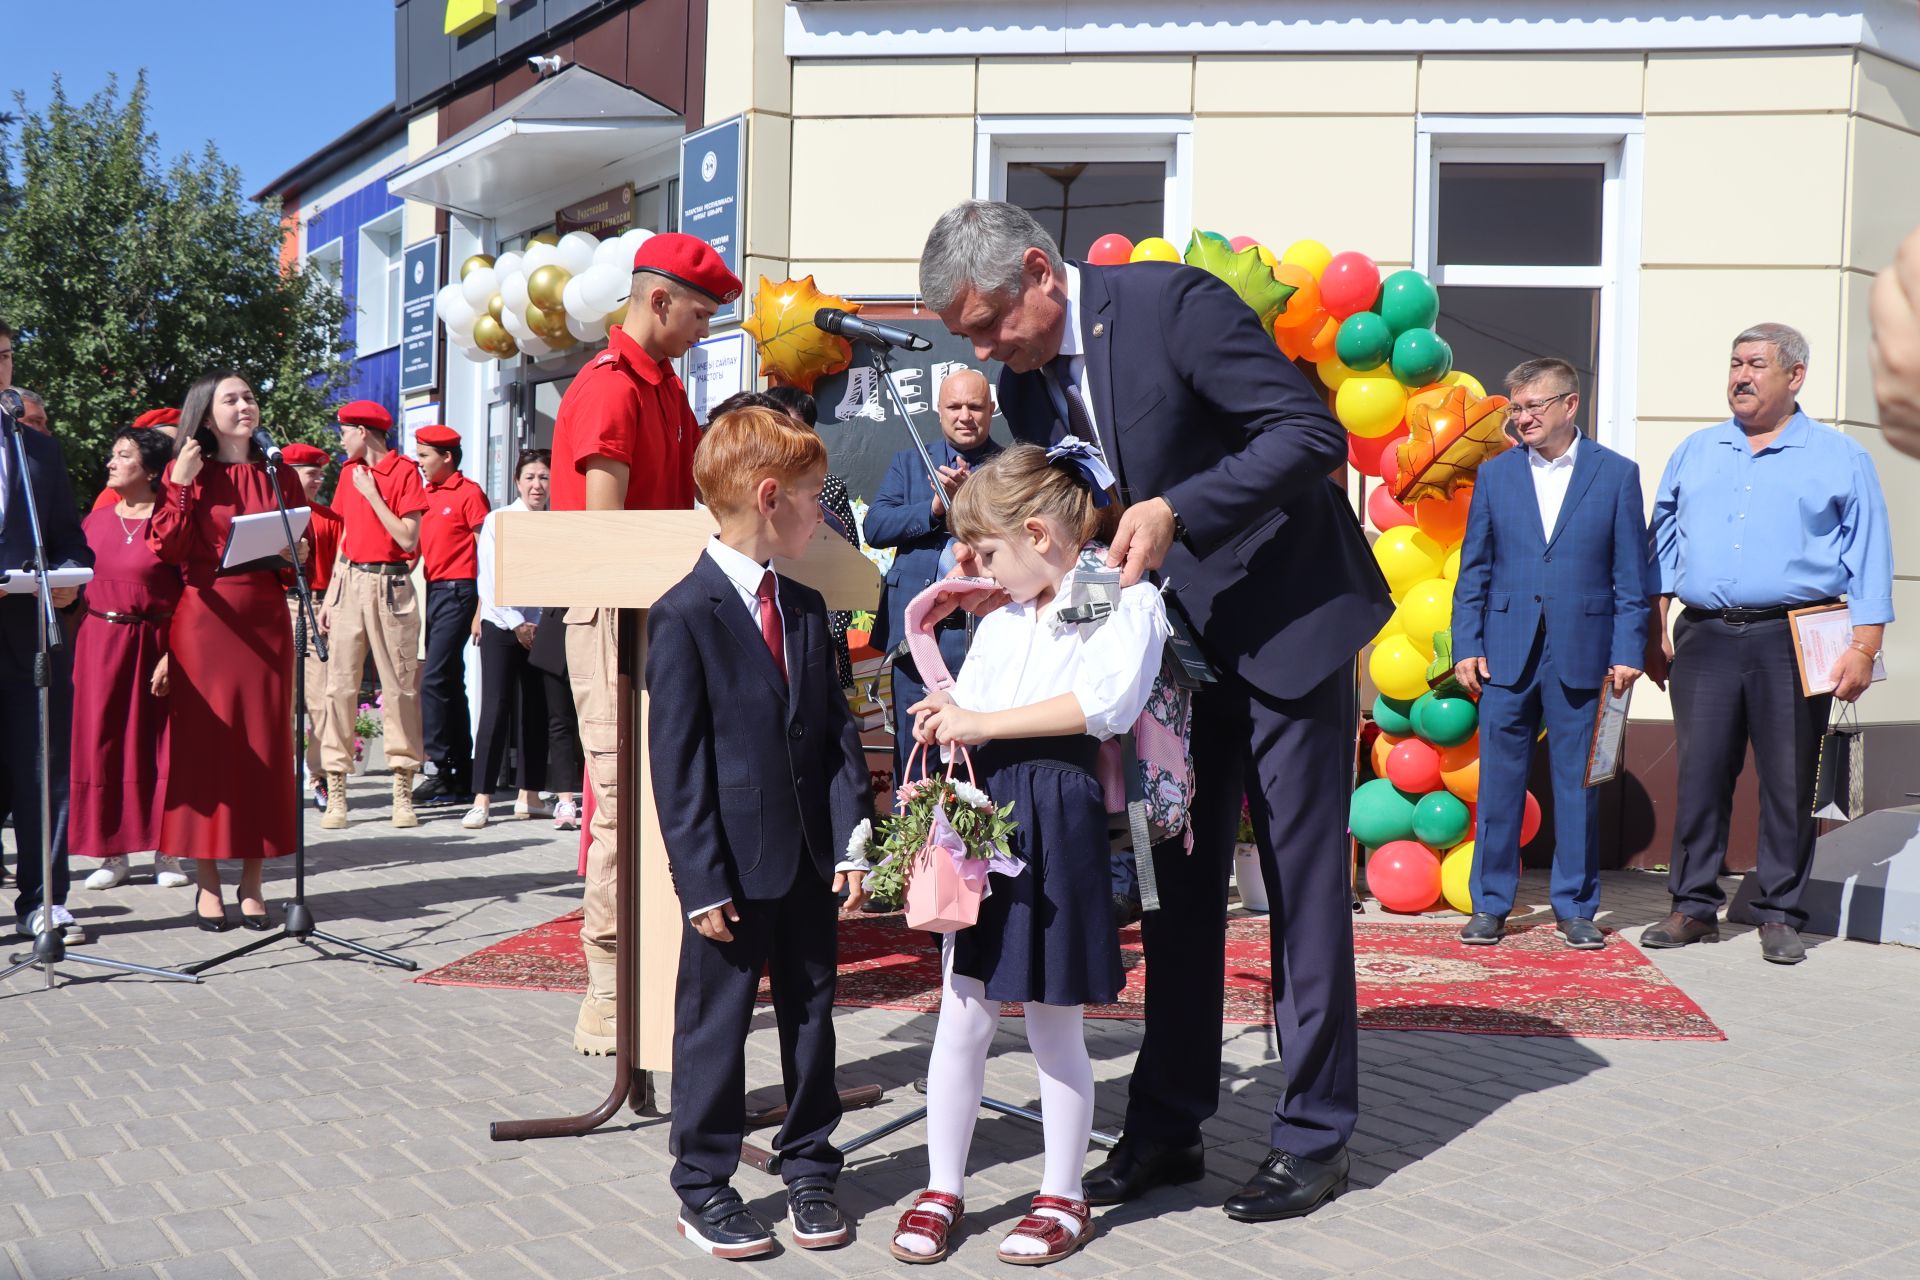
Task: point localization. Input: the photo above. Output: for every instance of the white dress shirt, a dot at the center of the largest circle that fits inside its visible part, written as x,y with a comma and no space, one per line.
1073,347
1550,481
498,614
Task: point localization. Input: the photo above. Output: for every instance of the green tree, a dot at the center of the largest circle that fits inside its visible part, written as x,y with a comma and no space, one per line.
127,279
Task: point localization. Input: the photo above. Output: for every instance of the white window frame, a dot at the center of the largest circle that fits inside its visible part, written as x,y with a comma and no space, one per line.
1000,140
381,245
1614,142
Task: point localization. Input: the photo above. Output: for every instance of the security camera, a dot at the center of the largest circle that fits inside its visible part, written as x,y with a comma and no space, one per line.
546,66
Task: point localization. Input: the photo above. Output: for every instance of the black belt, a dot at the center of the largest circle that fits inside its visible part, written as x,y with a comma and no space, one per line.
391,568
129,619
1741,617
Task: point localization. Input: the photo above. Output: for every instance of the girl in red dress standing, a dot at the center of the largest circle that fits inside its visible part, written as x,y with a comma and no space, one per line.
229,701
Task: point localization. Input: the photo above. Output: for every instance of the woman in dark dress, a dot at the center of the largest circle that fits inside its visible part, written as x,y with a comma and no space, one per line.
230,776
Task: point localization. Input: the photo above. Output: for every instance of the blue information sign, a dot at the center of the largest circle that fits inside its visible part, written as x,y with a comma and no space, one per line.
419,348
713,181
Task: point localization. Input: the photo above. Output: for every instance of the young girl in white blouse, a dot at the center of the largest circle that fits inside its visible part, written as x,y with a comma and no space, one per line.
1039,692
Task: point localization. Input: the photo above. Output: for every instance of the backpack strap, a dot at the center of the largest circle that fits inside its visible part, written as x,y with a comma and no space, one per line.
920,639
1138,826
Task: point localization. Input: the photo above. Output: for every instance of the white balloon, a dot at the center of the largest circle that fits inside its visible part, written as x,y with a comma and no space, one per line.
603,288
513,291
632,239
476,355
506,264
573,303
448,298
586,330
538,256
531,345
480,286
613,253
576,251
514,323
459,317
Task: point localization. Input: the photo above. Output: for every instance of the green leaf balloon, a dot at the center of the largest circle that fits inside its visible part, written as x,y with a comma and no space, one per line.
1249,276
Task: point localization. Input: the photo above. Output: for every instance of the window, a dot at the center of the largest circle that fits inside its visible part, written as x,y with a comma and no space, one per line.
657,208
379,294
1081,200
1085,178
1525,237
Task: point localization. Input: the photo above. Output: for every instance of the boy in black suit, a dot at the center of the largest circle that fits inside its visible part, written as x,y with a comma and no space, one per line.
760,781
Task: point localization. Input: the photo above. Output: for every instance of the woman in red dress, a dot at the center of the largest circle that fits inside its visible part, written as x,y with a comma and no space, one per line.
230,776
119,767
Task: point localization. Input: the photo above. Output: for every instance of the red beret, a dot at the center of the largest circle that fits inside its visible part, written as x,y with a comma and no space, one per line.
691,261
365,413
438,436
305,455
158,418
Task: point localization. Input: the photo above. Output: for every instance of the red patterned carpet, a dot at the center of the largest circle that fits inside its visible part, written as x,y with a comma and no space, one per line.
1412,977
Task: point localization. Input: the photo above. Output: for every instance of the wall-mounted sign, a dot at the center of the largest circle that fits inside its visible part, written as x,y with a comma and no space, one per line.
419,344
469,15
713,186
608,213
716,368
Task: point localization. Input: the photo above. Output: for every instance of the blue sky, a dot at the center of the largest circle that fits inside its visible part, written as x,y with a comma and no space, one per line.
268,82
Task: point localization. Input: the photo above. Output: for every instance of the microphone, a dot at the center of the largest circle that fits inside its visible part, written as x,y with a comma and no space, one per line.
11,404
264,443
848,325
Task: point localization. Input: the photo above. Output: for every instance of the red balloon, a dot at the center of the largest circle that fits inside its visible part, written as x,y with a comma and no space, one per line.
1242,242
1384,511
1404,875
1112,250
1349,284
1529,819
1414,767
1369,455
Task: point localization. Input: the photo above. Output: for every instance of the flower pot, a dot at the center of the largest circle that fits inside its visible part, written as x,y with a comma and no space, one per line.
1247,878
374,759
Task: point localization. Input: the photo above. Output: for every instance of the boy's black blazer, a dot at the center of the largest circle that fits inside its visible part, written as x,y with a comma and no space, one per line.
757,780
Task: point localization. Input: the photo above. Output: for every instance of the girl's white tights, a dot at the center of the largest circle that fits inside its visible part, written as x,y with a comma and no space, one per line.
956,1078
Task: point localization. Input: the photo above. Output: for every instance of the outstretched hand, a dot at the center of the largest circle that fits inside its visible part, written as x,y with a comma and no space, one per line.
855,883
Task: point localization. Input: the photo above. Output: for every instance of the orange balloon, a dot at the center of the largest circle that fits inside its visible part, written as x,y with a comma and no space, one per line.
1290,341
1305,301
1382,748
1460,769
1444,519
1325,333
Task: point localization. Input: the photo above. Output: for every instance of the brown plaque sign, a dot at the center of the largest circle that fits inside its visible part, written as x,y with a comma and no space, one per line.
610,211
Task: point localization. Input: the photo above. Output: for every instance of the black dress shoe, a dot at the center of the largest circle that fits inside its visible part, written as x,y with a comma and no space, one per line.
1125,911
258,923
814,1214
1484,929
212,924
1780,944
1679,930
724,1228
1581,935
1288,1186
1137,1167
434,786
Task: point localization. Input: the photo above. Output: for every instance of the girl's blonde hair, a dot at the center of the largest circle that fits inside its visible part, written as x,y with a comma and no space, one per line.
1019,483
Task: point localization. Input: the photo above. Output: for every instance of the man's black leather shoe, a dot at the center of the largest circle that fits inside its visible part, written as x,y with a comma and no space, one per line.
1484,929
1288,1186
1135,1168
1780,943
1679,930
1125,911
1581,934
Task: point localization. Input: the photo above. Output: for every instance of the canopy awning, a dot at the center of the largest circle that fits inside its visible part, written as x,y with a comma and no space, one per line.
556,132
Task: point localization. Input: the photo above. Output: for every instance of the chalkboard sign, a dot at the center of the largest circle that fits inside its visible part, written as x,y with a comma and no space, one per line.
858,422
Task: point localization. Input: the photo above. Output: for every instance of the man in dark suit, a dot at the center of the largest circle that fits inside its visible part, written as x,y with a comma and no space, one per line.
1551,604
66,545
1222,450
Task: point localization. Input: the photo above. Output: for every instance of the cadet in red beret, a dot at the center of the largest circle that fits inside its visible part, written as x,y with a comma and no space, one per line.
323,534
456,508
370,607
624,440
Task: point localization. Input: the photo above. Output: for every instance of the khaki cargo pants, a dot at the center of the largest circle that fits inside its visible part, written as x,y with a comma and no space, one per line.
377,613
316,691
593,671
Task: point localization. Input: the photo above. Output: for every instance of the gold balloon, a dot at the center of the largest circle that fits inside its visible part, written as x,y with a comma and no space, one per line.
548,324
546,286
545,237
562,342
495,305
474,263
488,334
508,348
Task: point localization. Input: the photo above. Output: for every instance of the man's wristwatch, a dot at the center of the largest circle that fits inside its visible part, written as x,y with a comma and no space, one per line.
1179,525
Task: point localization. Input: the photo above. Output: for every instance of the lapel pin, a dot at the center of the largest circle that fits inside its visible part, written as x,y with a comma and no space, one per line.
1098,329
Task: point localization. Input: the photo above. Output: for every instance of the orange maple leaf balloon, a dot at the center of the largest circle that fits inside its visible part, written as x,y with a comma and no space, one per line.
794,350
1447,437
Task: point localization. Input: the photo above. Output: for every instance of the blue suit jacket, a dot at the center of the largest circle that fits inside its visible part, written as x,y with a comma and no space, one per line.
901,516
1587,578
59,525
757,780
1195,403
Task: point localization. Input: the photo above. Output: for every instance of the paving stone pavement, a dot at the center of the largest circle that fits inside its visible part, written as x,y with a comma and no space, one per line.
301,1116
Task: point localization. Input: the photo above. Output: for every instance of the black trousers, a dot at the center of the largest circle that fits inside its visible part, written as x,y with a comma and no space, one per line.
1291,759
793,939
1735,684
513,710
20,767
443,685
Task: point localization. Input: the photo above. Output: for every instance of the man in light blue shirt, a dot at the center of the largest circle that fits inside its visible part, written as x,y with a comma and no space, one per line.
1766,512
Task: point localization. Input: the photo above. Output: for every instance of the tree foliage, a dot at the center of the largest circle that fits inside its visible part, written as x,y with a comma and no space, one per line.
125,279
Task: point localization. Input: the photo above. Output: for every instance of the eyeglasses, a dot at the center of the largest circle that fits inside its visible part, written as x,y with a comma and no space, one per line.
1518,410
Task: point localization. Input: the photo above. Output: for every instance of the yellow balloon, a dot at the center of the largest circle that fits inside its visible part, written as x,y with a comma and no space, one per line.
1155,249
1451,569
545,287
1333,373
1460,378
1426,607
1310,254
1456,877
474,263
1370,406
1407,555
545,237
495,305
1399,670
1391,627
1266,256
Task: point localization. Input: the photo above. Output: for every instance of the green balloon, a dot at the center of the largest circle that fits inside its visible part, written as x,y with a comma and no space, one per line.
1440,820
1215,235
1380,813
1365,342
1408,300
1445,722
1391,715
1420,357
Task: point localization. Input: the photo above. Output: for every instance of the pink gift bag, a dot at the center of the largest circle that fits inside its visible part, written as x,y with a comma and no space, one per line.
946,888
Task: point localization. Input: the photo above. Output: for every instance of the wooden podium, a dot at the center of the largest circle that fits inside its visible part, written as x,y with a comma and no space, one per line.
626,560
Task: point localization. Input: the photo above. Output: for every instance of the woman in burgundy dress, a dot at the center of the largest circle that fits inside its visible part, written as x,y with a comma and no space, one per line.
230,776
119,768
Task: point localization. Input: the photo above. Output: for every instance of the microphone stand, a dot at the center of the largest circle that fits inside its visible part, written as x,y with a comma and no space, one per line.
882,356
297,921
50,943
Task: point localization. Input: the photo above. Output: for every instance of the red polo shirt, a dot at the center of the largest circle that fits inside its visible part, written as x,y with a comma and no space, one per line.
456,508
323,529
625,406
397,480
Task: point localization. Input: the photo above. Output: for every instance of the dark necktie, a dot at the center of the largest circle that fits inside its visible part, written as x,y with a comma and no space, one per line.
770,623
1079,420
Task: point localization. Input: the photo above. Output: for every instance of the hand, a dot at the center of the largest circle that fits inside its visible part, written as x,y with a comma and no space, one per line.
363,481
1659,659
524,634
1470,672
323,619
1852,673
1895,309
921,710
950,478
966,564
159,682
187,463
302,551
949,724
1622,678
1143,539
711,924
63,596
855,883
